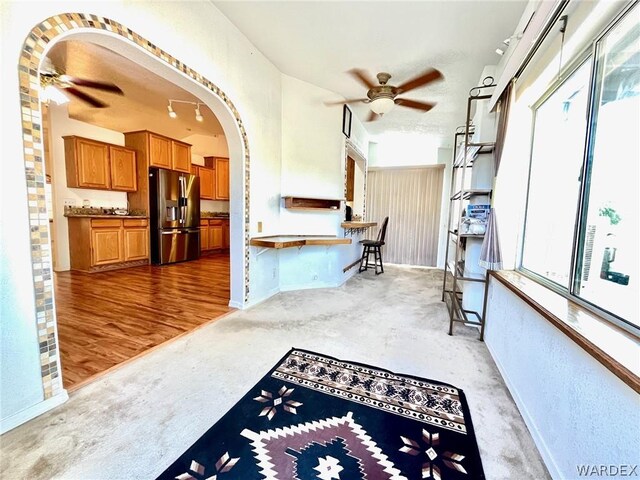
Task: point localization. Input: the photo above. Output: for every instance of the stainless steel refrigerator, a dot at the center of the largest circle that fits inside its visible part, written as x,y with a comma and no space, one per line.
174,200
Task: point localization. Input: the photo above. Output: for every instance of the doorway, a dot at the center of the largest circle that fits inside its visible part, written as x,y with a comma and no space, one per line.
117,37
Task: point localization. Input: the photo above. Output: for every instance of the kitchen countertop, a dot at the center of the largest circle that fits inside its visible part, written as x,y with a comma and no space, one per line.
88,215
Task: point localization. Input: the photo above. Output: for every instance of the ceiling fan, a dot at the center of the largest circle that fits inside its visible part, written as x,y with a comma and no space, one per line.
55,84
383,97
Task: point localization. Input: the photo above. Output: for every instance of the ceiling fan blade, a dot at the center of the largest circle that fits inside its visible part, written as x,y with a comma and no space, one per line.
424,106
362,76
81,82
372,116
94,102
431,75
342,102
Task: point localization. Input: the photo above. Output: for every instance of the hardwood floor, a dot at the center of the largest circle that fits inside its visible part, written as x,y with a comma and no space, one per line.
107,318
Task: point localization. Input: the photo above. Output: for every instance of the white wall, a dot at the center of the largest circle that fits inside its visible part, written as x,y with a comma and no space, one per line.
313,163
401,149
62,125
200,36
577,411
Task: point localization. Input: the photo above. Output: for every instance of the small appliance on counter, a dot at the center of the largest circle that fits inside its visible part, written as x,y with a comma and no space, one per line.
348,214
174,200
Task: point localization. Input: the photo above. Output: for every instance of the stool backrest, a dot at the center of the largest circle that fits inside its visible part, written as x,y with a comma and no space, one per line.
383,230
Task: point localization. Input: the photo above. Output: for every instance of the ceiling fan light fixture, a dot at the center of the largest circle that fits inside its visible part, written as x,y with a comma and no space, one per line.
52,94
199,116
172,113
381,105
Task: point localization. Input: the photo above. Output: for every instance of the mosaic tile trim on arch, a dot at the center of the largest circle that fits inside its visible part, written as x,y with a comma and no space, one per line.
32,52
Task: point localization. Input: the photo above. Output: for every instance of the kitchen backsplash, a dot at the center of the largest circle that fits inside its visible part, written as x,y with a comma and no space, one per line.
213,214
70,211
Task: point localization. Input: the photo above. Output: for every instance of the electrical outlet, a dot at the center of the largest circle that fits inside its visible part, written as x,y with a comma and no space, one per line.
69,202
260,229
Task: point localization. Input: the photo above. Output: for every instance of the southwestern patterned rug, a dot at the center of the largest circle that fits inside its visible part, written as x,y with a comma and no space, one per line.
317,417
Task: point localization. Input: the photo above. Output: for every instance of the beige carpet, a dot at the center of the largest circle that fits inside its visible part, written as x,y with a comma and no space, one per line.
134,422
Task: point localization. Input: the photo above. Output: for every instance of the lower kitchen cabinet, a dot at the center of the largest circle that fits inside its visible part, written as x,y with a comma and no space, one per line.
106,245
214,234
136,240
97,244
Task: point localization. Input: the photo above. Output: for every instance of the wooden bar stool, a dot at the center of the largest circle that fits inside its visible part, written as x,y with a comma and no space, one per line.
374,246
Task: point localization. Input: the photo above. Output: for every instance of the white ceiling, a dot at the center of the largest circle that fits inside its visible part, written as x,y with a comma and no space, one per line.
318,41
144,104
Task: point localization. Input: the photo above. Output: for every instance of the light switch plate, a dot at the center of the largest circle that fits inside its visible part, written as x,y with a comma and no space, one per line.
259,227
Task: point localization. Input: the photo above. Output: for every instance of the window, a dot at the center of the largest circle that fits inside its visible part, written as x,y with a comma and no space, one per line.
582,222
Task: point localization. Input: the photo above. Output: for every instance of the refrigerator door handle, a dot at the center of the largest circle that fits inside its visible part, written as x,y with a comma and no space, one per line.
182,200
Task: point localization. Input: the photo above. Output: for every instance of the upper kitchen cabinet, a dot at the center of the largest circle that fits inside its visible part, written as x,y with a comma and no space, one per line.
220,167
180,156
123,169
222,178
99,165
159,151
207,183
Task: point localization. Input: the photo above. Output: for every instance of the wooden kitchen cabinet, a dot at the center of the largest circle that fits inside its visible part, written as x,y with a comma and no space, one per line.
97,244
136,240
99,165
154,150
222,178
226,234
204,235
87,163
207,183
106,245
214,234
180,156
159,151
122,162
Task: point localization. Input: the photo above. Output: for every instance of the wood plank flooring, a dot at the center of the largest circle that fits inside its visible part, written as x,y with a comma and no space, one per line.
110,317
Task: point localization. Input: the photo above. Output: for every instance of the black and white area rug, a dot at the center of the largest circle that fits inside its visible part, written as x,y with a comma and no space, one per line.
314,417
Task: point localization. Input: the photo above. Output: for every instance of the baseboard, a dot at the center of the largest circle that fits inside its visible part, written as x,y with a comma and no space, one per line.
32,412
545,452
253,303
309,286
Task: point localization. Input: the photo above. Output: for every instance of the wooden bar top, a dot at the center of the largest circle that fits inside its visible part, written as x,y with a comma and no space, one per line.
286,241
358,224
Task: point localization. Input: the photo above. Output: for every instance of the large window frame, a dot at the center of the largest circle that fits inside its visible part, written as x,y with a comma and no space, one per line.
590,53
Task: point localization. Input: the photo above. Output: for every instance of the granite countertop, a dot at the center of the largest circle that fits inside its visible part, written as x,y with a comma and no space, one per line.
101,212
89,215
214,214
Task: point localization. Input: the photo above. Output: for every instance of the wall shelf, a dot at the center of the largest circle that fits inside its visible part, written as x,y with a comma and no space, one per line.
307,203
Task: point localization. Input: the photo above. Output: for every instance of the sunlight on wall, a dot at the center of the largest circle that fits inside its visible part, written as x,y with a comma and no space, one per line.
397,149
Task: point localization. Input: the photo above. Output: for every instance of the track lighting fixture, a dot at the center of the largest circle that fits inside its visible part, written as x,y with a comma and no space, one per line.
173,114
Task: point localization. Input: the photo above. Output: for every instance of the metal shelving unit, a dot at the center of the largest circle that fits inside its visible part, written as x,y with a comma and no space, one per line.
464,155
